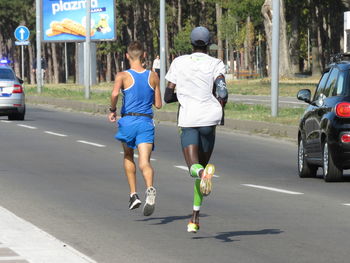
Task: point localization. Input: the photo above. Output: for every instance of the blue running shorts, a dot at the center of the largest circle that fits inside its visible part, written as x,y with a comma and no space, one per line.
134,130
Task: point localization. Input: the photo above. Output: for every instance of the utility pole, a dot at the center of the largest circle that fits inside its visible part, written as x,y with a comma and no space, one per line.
38,47
87,50
275,57
162,46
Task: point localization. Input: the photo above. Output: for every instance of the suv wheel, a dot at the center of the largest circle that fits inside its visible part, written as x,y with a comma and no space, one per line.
16,116
304,168
331,173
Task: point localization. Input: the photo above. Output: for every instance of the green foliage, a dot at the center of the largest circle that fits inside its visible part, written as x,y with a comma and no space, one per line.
182,43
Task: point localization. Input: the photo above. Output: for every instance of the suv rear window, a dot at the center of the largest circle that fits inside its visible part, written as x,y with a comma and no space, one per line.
6,74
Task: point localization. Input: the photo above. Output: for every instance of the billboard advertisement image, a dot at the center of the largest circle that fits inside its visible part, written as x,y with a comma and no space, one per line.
64,20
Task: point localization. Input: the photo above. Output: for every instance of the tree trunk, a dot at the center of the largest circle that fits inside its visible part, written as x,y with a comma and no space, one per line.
294,43
218,24
316,65
109,67
284,59
55,70
179,15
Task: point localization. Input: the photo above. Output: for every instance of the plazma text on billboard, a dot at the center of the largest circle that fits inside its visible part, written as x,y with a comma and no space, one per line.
64,20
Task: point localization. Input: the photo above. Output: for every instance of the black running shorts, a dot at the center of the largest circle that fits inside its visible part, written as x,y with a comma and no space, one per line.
204,137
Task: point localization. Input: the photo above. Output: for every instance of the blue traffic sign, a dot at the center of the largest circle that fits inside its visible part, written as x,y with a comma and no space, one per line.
22,33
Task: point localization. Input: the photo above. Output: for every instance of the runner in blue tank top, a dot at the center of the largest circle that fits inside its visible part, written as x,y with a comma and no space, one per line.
140,89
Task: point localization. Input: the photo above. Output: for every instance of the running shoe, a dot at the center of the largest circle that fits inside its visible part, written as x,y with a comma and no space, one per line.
192,227
148,208
134,202
206,184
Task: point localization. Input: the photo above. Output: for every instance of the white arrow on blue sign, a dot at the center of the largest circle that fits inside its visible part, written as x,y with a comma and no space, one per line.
22,33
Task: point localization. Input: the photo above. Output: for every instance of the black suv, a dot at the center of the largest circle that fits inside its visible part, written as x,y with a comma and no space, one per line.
324,129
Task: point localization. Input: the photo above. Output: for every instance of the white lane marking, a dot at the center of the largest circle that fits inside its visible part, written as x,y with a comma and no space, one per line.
181,167
186,169
137,156
92,143
11,258
6,121
34,244
273,189
347,204
55,134
27,126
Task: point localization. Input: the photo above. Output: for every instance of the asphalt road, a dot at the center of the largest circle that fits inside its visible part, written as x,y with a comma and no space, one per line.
62,172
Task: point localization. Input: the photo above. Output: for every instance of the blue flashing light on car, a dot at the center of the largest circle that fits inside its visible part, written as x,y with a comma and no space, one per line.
4,61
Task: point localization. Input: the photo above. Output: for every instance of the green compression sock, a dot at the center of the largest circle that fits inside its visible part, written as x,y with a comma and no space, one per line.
195,168
197,195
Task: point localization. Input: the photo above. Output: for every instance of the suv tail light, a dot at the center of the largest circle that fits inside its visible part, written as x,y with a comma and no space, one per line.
17,89
343,109
345,138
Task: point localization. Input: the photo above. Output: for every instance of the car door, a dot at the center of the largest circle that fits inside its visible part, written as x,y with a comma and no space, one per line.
323,106
312,117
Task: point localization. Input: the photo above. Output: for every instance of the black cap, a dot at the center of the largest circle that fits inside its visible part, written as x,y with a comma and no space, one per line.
200,36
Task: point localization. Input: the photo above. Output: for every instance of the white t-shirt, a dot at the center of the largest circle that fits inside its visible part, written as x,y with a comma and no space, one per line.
156,64
194,76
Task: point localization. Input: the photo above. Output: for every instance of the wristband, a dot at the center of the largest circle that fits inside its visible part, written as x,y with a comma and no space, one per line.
113,110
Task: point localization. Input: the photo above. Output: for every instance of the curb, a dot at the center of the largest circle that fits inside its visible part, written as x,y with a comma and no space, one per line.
266,128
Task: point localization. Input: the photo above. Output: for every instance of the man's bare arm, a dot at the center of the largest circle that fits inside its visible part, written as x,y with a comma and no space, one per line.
157,96
118,84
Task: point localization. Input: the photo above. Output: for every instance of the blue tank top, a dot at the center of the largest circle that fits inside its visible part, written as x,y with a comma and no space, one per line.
139,97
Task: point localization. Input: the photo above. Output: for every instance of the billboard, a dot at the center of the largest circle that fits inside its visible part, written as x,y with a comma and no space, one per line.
64,20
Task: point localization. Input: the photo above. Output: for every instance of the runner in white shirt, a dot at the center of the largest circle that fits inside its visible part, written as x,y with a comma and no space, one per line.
156,65
200,86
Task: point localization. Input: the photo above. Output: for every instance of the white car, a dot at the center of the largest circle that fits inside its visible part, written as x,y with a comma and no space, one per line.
12,103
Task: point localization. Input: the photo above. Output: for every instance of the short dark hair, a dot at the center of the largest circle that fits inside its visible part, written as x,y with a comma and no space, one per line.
135,50
200,48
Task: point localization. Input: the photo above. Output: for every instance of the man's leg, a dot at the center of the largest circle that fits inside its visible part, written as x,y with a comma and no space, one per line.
198,144
190,141
129,167
145,150
206,147
130,172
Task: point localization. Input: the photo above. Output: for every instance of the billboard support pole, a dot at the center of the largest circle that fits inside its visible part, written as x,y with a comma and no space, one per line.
87,49
38,47
162,46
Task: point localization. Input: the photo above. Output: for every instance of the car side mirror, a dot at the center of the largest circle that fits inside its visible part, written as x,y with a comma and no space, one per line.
304,95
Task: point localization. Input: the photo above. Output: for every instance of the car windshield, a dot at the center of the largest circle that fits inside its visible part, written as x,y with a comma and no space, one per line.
6,74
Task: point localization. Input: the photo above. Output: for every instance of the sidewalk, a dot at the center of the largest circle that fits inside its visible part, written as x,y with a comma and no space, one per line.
256,127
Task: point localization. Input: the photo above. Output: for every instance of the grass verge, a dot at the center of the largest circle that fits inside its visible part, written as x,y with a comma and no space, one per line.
100,94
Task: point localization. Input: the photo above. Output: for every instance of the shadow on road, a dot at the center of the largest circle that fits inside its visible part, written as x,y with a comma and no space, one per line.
227,236
168,219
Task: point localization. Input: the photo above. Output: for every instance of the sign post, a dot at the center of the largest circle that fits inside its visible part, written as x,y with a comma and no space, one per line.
22,34
38,46
162,46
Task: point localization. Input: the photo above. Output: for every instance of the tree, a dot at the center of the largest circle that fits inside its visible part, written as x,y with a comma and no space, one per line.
284,59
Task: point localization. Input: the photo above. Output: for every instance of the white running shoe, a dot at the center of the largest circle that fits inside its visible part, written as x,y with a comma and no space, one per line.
150,202
206,184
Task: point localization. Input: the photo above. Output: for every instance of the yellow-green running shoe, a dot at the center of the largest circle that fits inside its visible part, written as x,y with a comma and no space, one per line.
206,184
192,227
